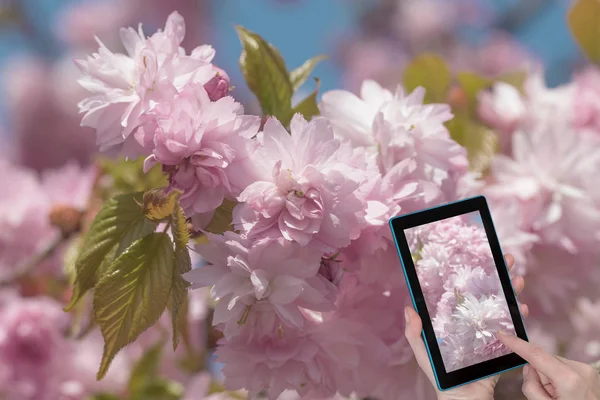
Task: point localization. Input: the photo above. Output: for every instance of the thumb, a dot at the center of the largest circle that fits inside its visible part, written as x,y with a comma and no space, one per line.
532,385
412,332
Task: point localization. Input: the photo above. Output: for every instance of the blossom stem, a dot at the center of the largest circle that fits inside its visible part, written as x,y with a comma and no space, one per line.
30,264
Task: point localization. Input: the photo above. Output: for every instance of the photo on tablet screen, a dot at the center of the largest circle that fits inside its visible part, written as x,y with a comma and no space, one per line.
462,289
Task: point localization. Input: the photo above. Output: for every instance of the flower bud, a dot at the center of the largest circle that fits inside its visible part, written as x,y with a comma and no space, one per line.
66,218
218,86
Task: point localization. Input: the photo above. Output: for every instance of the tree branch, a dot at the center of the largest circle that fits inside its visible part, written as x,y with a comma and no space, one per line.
30,264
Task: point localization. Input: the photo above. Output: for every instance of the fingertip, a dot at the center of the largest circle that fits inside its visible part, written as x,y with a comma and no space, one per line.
413,322
504,337
524,310
518,284
510,261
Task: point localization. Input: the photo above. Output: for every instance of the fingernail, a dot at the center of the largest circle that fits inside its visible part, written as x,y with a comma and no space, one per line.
406,316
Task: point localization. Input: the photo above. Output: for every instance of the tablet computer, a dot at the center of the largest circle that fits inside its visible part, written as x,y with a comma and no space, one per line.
460,286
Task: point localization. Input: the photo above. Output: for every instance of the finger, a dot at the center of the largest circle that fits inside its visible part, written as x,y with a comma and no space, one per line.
413,335
547,384
582,369
532,386
536,356
509,259
524,310
518,284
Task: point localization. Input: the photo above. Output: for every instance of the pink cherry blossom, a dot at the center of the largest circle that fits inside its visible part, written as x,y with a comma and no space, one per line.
307,362
507,110
24,217
197,140
407,136
586,346
248,275
44,124
199,388
385,59
82,367
32,349
503,108
124,87
586,104
304,189
378,195
501,54
25,211
552,173
69,185
556,279
513,229
380,310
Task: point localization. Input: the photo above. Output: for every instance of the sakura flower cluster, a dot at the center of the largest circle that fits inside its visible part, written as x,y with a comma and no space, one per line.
544,183
462,290
171,107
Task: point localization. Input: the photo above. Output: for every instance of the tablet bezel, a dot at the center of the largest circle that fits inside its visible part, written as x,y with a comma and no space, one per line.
447,380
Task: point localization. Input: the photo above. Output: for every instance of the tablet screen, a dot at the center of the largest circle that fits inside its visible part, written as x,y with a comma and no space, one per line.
462,289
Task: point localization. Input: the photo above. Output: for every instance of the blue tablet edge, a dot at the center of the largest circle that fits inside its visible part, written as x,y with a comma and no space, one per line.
412,298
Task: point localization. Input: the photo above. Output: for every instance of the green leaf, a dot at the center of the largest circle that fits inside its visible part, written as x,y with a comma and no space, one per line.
584,21
145,370
221,221
472,84
162,389
514,78
133,293
309,106
103,396
126,176
183,264
266,75
299,75
192,362
481,142
431,72
118,224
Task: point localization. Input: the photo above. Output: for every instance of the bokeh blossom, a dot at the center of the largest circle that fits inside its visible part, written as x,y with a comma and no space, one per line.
586,346
552,173
25,211
37,359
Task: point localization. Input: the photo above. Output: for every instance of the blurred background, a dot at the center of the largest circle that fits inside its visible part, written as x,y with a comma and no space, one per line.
363,39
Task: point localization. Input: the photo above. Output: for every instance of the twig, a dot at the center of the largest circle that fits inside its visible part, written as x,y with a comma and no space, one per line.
30,264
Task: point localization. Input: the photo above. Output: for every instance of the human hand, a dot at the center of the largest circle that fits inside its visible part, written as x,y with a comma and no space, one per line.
551,377
479,390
